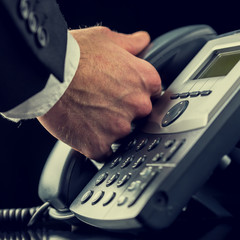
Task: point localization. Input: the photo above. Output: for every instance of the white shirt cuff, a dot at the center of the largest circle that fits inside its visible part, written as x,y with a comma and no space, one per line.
40,103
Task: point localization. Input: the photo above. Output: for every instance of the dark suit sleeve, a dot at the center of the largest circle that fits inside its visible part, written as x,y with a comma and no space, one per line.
33,45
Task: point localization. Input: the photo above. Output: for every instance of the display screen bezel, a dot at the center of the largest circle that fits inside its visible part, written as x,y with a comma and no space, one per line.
213,59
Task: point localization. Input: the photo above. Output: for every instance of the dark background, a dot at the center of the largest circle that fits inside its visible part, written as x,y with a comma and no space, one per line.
26,145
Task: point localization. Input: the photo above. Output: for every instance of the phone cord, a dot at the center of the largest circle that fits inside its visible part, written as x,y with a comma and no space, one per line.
22,216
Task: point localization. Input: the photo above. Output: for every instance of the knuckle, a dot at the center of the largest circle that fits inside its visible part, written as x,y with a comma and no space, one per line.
126,129
153,79
104,148
99,150
104,30
144,107
123,128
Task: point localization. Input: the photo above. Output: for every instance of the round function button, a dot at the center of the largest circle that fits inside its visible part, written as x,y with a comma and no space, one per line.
32,22
97,197
42,37
174,113
174,149
86,196
101,178
109,197
134,186
146,172
24,7
122,200
158,157
169,143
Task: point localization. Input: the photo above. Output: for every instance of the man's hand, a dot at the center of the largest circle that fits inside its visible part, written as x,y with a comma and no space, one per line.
110,89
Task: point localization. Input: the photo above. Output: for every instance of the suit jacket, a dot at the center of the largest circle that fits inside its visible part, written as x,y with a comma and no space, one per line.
33,43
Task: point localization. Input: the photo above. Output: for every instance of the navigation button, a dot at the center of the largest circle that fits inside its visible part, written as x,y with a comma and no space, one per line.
174,113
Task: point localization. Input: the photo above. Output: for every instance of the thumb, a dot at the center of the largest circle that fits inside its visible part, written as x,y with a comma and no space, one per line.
133,43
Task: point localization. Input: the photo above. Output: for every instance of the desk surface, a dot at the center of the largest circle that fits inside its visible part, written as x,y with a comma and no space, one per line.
187,231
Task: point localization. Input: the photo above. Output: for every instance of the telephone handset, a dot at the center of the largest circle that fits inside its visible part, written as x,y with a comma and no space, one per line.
157,169
171,52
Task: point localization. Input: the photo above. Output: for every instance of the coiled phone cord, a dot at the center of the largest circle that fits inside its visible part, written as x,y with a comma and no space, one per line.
22,216
20,224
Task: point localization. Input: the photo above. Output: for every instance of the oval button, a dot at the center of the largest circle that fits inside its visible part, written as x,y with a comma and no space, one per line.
24,9
32,22
97,197
86,196
174,113
42,36
109,197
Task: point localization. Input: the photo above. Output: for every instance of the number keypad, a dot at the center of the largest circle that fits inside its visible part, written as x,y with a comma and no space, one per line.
124,179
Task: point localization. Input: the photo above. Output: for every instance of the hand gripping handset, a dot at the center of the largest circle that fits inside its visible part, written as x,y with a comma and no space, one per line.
152,176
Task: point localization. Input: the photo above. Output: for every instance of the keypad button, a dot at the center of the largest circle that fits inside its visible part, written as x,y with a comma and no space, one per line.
97,197
139,161
101,178
173,150
131,144
127,161
112,179
109,197
205,92
174,113
142,144
115,162
122,200
124,180
135,195
158,157
86,196
146,172
134,186
169,143
154,144
175,147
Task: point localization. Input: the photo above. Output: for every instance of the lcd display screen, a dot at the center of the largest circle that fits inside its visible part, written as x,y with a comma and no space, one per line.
220,64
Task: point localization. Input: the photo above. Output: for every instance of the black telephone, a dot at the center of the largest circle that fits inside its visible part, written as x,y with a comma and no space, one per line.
154,172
